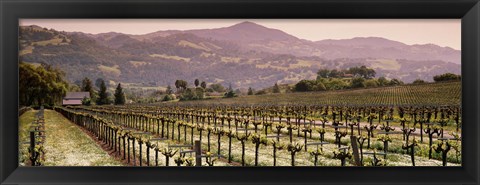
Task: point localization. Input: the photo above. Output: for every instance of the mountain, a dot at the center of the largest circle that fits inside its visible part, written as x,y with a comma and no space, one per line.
252,36
245,32
363,42
249,36
243,55
375,47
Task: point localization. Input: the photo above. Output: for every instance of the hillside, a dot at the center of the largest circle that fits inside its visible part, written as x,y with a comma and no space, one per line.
252,36
243,55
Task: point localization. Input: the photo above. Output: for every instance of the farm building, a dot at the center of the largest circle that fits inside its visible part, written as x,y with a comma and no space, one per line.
75,98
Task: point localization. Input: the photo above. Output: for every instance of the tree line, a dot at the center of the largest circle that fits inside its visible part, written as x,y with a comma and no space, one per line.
198,92
354,77
357,77
41,85
361,71
102,97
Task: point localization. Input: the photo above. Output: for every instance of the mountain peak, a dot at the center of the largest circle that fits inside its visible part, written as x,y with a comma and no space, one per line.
247,24
246,31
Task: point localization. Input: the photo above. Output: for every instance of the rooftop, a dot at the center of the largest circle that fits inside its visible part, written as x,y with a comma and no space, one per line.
77,95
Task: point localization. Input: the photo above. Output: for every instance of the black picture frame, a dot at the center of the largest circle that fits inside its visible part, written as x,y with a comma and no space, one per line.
466,10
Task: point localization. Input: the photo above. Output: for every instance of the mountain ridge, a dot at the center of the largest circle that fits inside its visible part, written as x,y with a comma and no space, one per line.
161,59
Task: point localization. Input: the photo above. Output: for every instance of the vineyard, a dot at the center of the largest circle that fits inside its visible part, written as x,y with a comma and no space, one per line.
275,135
408,125
434,94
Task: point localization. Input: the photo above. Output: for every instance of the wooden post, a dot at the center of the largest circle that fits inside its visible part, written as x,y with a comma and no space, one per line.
198,153
32,147
356,157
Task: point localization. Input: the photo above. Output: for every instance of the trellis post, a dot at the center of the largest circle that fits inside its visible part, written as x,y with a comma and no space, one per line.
198,153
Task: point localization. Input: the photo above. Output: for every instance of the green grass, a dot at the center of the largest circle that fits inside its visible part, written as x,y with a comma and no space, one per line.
66,144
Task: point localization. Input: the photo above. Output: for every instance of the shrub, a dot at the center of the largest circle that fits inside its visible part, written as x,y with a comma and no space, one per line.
395,82
447,77
418,81
310,85
371,83
230,94
167,97
358,82
86,101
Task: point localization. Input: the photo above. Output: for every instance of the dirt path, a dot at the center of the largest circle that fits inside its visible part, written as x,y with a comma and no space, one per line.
67,145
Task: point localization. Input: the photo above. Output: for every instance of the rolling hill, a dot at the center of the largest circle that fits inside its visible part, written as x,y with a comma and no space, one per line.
243,55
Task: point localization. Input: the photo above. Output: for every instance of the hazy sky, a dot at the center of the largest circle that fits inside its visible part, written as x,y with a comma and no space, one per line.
443,32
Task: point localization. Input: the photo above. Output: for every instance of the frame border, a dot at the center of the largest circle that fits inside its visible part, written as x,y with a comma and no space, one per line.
12,11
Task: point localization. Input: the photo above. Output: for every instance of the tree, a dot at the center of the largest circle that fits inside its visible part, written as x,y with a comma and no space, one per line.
319,86
250,91
395,82
323,73
74,88
335,74
382,81
203,85
169,90
119,95
188,94
447,77
167,97
362,71
196,82
371,83
334,83
181,85
40,85
98,82
102,95
87,86
230,94
177,84
200,93
367,73
86,101
309,85
276,89
302,86
370,74
358,82
418,81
